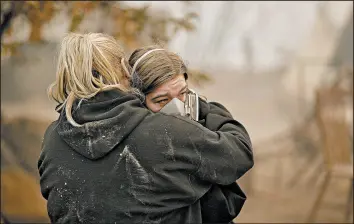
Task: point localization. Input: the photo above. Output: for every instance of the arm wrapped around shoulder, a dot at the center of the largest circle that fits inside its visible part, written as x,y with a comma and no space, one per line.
227,145
226,154
212,107
208,114
222,156
185,147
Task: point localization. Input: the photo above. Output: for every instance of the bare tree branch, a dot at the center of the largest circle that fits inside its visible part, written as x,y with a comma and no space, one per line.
7,19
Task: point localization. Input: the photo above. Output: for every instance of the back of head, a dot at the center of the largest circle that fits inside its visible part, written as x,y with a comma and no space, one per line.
87,64
153,66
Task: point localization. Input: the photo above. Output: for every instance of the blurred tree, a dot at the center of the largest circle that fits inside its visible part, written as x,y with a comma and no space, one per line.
133,26
130,23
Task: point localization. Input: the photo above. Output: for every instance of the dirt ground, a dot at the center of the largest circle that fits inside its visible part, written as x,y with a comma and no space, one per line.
274,198
267,207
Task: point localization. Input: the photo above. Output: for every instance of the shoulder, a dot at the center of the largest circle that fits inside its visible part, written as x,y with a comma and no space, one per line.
51,127
219,105
51,136
207,108
174,121
160,125
48,139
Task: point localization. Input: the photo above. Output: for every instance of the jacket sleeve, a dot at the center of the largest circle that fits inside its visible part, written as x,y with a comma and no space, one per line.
220,155
225,150
222,203
213,115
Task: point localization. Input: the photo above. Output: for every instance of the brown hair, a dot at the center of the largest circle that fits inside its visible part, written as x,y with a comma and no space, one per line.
155,68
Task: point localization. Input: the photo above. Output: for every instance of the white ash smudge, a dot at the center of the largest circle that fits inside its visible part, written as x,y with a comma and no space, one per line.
66,172
196,150
170,148
89,140
134,193
137,175
78,216
128,214
214,174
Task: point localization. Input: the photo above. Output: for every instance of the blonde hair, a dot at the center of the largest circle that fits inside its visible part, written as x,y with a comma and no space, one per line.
152,66
87,64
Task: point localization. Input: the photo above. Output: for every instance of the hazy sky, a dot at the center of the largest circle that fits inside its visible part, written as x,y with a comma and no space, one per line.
272,27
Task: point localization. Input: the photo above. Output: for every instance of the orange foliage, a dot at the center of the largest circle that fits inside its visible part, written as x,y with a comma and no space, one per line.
132,26
38,13
78,10
126,28
129,22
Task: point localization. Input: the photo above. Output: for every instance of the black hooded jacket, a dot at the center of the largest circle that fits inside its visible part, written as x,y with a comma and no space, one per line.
126,164
221,204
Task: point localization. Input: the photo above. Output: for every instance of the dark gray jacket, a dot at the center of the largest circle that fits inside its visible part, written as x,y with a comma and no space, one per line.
129,165
222,203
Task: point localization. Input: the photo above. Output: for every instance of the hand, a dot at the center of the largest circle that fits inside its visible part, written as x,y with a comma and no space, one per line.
204,109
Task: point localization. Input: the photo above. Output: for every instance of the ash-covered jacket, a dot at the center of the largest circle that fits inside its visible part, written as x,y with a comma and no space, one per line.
222,203
129,165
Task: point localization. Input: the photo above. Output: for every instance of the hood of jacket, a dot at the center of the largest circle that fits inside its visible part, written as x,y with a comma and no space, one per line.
106,119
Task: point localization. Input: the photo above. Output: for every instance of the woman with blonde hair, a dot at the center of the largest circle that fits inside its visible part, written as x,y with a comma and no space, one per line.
108,159
161,76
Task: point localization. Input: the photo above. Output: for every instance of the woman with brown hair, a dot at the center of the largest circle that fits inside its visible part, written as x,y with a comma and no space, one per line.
162,76
108,159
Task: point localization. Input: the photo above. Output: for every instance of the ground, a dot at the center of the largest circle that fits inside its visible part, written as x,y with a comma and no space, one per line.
273,198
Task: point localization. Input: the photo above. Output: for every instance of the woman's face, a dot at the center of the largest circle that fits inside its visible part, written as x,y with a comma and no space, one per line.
174,88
